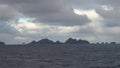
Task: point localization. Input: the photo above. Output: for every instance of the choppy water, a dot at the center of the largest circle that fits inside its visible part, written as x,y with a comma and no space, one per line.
65,56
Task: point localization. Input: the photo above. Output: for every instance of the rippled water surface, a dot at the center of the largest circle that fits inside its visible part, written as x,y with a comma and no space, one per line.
60,56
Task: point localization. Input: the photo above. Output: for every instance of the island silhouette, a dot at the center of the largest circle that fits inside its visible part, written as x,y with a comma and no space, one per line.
68,41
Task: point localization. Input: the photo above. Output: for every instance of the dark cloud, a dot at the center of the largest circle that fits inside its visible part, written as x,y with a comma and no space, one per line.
49,11
109,12
84,4
6,12
111,15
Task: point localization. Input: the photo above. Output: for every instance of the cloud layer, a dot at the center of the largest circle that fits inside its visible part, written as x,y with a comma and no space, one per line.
50,12
25,20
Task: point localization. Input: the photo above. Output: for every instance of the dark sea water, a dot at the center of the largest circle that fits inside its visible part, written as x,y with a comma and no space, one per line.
60,56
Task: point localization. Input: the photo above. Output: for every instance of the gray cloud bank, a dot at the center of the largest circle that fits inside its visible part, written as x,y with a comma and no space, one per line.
49,11
58,17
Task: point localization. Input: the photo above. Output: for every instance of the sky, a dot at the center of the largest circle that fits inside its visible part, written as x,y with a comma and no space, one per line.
27,20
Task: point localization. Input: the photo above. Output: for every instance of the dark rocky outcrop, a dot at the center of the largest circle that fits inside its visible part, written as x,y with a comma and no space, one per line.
32,43
2,43
58,42
74,41
68,41
45,41
113,43
71,41
83,41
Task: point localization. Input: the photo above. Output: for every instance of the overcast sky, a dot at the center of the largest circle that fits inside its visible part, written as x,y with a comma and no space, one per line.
27,20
